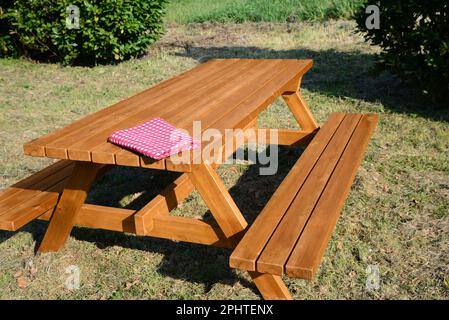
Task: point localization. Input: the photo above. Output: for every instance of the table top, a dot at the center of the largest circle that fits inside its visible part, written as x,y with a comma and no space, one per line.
221,93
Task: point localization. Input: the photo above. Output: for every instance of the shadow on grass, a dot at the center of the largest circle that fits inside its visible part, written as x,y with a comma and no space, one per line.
189,262
338,74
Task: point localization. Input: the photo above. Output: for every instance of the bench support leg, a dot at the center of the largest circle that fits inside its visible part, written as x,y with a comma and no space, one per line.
69,205
300,111
218,200
271,287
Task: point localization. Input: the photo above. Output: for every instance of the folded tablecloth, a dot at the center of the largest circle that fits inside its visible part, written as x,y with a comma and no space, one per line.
157,139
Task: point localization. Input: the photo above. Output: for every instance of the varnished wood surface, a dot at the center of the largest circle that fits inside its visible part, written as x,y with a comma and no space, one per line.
31,197
68,206
222,94
291,233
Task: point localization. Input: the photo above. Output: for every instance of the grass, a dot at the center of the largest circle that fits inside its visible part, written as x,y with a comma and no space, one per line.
237,11
395,218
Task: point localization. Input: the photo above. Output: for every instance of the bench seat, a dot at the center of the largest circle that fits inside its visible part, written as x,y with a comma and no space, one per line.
33,196
291,233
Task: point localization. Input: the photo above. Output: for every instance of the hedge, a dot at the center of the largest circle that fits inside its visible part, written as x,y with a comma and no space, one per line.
109,30
414,38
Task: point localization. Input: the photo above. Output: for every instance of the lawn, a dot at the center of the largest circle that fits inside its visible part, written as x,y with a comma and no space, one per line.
396,217
187,11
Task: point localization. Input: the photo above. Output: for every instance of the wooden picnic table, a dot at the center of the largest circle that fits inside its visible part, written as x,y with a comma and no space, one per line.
221,94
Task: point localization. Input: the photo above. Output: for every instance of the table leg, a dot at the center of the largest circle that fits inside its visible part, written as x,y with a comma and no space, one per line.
218,199
300,111
70,202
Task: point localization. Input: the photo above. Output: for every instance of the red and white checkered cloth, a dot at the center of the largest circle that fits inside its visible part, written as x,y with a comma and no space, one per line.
157,139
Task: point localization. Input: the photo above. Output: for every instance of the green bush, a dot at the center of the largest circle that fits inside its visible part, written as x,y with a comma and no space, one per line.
7,44
414,38
109,30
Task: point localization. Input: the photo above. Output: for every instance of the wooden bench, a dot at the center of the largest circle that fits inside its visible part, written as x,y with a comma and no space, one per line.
36,196
291,233
33,196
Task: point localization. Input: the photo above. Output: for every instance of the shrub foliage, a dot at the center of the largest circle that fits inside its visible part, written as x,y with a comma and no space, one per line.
109,30
414,38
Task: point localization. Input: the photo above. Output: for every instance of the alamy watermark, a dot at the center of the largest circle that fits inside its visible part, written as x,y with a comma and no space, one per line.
72,282
372,278
373,20
226,147
72,21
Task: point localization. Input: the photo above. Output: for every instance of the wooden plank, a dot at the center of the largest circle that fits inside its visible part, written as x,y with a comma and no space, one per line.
35,195
166,227
189,230
218,200
307,254
97,142
36,147
15,196
229,96
149,108
69,204
127,158
133,159
39,203
177,167
300,111
275,254
34,178
224,90
270,287
149,163
163,203
252,99
259,100
245,255
240,103
216,101
103,152
101,217
288,137
107,218
133,105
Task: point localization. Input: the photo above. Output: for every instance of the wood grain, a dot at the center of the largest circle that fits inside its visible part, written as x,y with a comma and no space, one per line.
189,230
218,200
214,93
219,98
286,137
248,250
300,111
100,217
162,204
270,287
24,212
32,196
72,198
306,256
187,102
291,233
36,147
278,249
